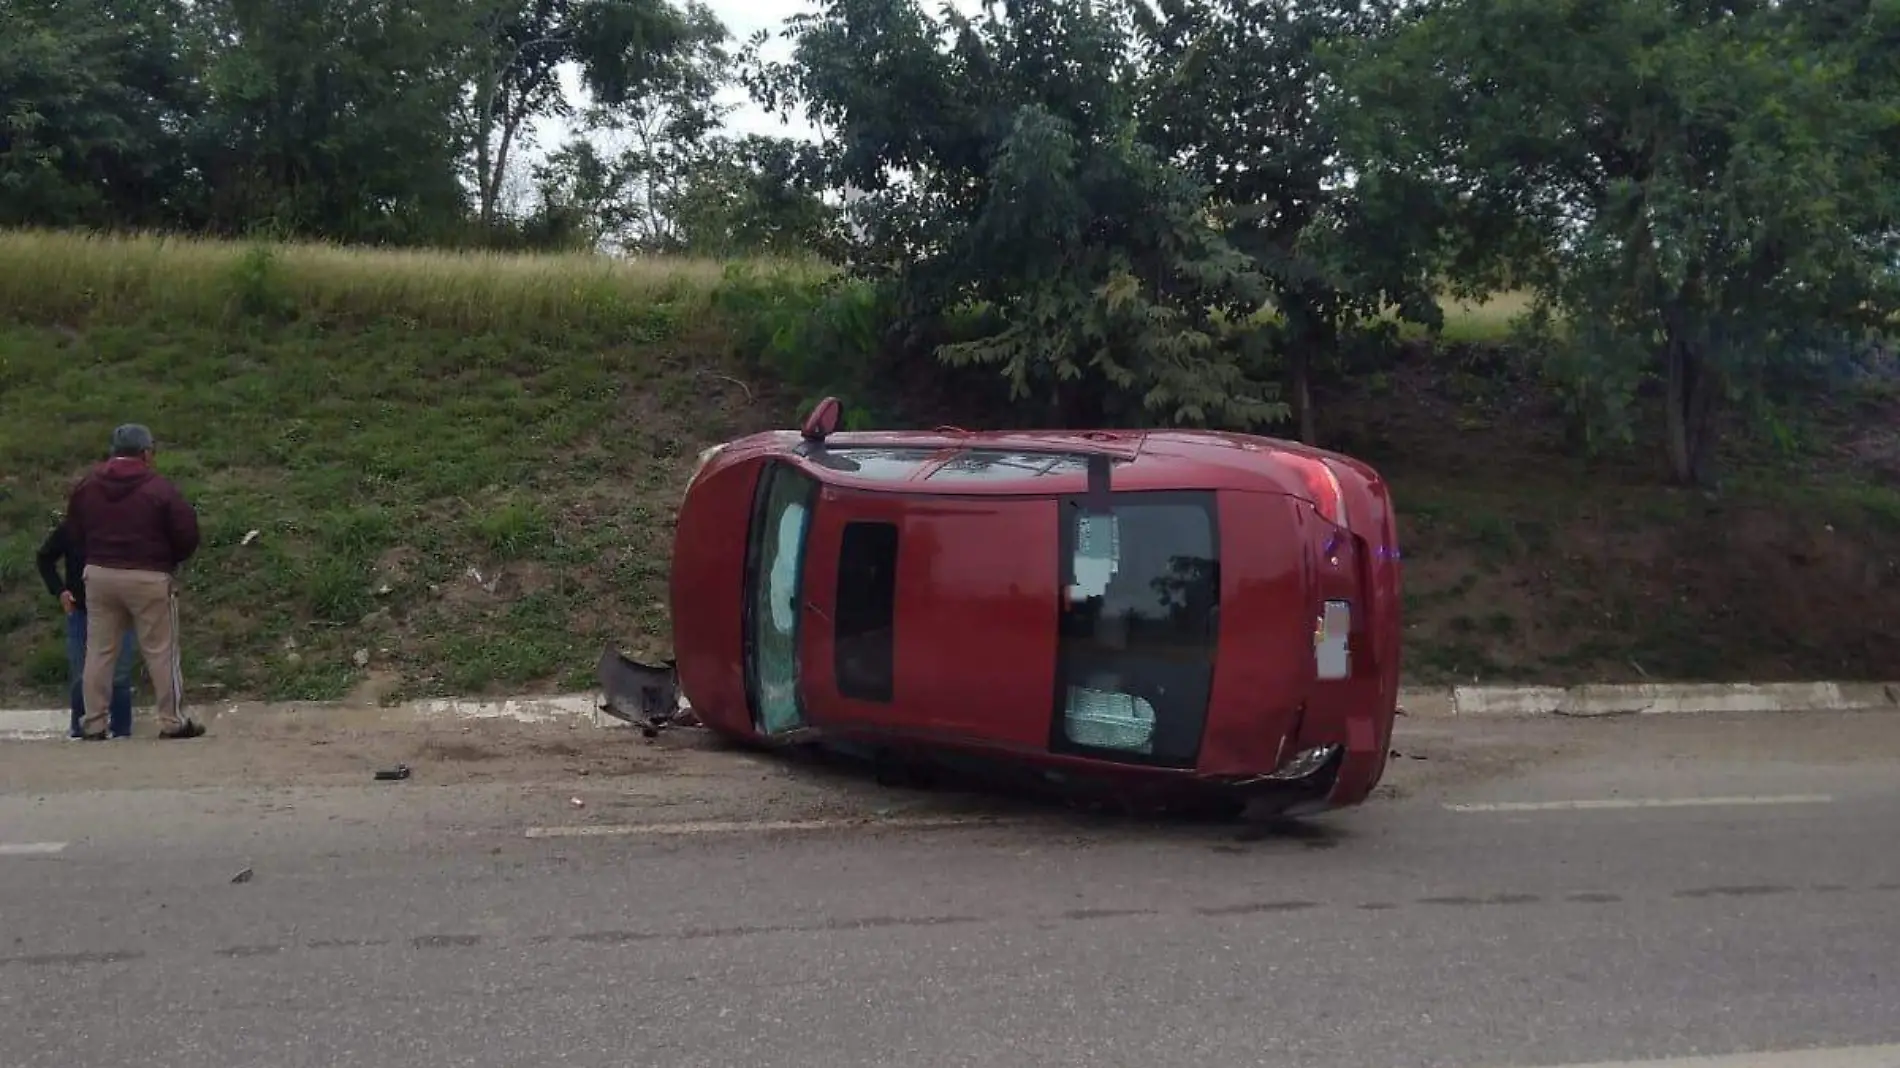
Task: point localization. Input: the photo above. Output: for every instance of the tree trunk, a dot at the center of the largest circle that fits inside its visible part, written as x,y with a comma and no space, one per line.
1301,365
510,124
484,130
1691,406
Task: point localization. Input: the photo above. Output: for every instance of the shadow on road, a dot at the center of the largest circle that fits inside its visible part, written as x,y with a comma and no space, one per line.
992,790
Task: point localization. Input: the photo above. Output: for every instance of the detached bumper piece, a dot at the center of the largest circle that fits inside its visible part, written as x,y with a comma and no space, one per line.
645,695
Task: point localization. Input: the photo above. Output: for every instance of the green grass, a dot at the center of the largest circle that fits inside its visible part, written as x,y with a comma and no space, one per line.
463,467
391,425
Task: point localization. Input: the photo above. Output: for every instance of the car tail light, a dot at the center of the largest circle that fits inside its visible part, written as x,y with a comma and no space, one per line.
1328,499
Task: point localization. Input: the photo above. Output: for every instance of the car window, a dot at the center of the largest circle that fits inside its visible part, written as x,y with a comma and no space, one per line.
866,613
1138,628
886,464
989,465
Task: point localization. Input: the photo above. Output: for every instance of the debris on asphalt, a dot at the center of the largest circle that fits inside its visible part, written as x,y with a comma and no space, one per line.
576,802
395,774
644,694
242,877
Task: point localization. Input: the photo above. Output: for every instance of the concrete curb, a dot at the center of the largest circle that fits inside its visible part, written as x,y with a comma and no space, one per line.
1599,699
1643,699
33,724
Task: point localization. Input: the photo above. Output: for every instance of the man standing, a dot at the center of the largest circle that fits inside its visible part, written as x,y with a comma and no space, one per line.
60,548
136,528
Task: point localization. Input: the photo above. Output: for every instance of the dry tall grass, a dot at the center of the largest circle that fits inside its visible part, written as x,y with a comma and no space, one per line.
61,277
50,276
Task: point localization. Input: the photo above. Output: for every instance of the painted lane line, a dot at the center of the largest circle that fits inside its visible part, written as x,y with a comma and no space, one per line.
706,827
1838,1057
31,849
1641,802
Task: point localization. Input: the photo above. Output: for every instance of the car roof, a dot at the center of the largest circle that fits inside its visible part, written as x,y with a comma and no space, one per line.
951,461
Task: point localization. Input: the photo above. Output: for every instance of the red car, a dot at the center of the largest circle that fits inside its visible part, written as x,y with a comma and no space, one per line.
1147,609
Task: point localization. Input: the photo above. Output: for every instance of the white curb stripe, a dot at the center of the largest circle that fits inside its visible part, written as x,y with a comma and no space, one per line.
31,849
1481,701
1838,1057
34,723
1662,698
1641,802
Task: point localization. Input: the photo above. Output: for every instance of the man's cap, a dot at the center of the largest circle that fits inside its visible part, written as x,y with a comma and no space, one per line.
131,439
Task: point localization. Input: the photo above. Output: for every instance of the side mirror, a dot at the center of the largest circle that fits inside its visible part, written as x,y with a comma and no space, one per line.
823,420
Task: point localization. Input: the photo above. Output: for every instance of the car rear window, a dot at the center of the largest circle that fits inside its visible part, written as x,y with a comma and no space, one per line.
1138,626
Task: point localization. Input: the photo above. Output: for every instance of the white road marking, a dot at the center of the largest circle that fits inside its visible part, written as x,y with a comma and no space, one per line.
1839,1057
629,830
31,849
1642,802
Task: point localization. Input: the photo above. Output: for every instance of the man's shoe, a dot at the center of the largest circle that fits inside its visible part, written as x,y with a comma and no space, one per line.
191,729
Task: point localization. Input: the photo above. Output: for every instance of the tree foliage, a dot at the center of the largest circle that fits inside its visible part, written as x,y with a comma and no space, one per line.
659,173
1706,187
1124,210
1238,93
619,46
996,160
88,98
331,118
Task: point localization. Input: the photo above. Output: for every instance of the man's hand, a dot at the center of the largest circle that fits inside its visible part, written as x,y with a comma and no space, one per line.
66,601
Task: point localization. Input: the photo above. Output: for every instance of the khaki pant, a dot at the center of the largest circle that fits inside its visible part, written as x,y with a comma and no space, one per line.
146,602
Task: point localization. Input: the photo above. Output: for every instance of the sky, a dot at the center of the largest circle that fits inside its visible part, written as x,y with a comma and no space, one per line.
743,18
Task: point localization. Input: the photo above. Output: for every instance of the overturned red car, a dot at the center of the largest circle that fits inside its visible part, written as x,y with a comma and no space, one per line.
1156,611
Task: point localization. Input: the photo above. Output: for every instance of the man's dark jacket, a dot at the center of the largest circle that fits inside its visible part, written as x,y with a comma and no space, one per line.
59,547
129,516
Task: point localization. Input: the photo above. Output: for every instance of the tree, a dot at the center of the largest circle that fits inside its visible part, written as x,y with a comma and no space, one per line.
656,173
752,196
331,118
520,47
660,137
93,98
1239,94
998,165
1708,186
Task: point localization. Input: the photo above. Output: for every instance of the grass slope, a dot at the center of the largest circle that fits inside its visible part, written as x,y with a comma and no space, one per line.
460,471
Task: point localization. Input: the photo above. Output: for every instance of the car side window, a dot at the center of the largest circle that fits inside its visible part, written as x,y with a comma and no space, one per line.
866,615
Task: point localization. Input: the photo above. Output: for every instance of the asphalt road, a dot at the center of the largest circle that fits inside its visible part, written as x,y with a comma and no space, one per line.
1523,894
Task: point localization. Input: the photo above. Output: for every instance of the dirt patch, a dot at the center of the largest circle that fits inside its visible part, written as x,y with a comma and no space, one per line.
1523,563
458,752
